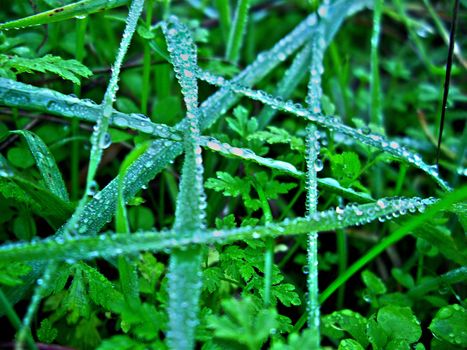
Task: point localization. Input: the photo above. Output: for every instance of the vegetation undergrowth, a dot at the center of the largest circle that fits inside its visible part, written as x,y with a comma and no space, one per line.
202,205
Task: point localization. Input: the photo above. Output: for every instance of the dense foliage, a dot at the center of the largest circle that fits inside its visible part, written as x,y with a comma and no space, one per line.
231,175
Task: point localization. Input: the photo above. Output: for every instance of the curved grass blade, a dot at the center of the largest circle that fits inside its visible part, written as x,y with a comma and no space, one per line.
78,9
90,247
127,264
46,163
332,123
185,272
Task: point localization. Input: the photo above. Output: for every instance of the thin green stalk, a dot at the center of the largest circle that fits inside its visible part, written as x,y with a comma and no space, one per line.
269,253
342,253
147,63
81,24
376,116
98,138
376,113
237,31
223,7
14,319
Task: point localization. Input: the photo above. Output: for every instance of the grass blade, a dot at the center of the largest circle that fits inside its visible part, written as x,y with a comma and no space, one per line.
185,273
90,247
312,162
20,95
100,137
46,163
288,83
223,8
78,9
237,31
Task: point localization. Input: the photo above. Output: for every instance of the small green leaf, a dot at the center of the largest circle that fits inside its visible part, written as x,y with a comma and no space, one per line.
373,282
11,273
46,333
403,278
399,323
450,323
243,324
376,334
350,344
335,324
67,69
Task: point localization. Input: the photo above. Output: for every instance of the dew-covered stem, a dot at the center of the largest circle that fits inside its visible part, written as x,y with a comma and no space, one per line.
314,165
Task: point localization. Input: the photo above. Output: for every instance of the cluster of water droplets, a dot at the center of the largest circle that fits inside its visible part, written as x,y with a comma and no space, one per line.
183,54
247,154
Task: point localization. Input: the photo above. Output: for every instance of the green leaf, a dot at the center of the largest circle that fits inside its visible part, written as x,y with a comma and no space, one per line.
350,344
335,324
77,9
399,323
277,135
449,324
241,124
376,334
46,333
11,273
76,301
373,282
46,163
71,70
345,167
403,278
243,323
295,341
20,157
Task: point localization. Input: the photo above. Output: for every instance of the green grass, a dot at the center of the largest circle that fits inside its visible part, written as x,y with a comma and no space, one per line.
111,240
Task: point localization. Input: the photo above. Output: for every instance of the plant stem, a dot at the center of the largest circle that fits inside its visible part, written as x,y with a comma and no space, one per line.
14,319
269,253
223,7
75,144
146,62
342,254
237,31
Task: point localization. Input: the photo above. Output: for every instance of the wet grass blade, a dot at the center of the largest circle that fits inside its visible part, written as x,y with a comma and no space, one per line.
185,272
78,9
100,139
90,247
46,163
